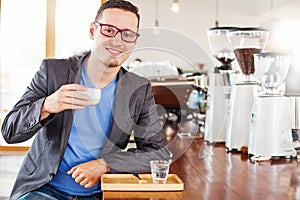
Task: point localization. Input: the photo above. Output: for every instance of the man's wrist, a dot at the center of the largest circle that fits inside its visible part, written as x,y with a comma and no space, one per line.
44,113
104,163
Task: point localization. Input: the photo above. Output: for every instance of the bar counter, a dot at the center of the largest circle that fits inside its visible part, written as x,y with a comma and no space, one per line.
210,172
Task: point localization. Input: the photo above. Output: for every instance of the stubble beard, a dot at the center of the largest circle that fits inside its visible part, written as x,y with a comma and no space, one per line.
116,61
113,63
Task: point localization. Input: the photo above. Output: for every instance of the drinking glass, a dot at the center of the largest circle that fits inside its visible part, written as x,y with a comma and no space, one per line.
159,171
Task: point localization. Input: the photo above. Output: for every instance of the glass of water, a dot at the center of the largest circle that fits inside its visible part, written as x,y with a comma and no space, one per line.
159,171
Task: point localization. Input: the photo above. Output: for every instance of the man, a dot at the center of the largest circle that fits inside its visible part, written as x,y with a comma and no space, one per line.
76,143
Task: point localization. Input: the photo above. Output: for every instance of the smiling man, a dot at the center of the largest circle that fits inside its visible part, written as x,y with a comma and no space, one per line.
76,143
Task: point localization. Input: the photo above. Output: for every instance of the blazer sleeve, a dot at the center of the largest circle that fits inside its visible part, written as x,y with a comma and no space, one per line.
149,138
23,121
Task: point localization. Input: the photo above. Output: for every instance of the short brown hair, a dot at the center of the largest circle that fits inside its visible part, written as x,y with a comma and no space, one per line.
121,4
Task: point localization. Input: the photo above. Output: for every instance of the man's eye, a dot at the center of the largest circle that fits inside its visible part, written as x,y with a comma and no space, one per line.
128,34
110,31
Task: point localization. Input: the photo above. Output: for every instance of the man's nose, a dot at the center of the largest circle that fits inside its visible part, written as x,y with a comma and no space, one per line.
118,37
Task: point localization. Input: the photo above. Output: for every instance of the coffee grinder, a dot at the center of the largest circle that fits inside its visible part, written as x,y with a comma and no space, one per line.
245,42
219,85
271,119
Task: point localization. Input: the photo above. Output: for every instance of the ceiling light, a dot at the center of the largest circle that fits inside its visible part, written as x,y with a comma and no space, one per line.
175,6
156,24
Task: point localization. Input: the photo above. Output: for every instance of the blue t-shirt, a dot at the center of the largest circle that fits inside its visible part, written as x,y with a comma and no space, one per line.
89,131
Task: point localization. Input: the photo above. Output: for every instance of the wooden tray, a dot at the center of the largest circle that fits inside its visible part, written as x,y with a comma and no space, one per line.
128,182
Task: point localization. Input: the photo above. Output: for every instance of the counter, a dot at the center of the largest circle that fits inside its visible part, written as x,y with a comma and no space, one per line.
209,172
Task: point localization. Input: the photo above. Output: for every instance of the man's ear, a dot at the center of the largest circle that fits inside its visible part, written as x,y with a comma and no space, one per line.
92,30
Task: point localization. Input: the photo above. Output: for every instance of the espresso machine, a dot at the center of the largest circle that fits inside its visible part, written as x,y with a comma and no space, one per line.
219,85
245,42
271,119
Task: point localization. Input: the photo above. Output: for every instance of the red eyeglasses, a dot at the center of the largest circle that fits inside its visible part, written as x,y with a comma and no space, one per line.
111,31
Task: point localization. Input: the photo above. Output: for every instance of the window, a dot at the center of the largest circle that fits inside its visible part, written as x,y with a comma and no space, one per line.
73,18
23,41
22,48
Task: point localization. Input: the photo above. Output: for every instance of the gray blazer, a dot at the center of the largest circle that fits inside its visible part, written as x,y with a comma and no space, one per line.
134,111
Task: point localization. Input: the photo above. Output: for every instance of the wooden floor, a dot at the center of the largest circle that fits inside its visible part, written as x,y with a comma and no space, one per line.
208,172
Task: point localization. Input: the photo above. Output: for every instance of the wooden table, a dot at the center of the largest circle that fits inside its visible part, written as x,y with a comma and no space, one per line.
209,172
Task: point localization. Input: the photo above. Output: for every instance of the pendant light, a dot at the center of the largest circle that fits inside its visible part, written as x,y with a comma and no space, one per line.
175,6
156,24
217,14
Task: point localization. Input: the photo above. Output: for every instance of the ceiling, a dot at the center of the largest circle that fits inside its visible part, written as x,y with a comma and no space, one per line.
254,6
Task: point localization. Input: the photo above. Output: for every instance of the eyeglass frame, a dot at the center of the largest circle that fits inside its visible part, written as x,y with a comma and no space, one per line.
118,31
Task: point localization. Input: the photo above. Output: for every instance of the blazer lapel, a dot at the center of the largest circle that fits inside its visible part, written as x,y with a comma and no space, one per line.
120,113
74,76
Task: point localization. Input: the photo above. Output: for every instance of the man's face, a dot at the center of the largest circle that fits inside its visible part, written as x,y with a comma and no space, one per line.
113,51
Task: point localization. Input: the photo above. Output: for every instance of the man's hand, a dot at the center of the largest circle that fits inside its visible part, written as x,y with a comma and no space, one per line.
66,97
88,174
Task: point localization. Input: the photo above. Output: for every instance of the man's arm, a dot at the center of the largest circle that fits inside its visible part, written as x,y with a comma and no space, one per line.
149,137
23,121
37,108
